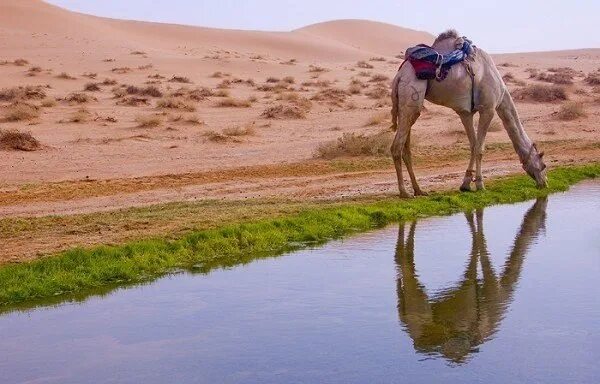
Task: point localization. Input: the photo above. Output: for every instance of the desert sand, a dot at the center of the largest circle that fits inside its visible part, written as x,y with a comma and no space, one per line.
250,111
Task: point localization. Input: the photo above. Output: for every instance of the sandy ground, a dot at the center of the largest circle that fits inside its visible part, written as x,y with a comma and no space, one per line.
108,162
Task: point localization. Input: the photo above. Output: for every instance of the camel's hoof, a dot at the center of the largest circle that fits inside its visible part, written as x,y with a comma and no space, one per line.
421,193
464,188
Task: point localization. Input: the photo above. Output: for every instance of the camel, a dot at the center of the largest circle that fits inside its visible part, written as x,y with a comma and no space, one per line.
454,323
485,94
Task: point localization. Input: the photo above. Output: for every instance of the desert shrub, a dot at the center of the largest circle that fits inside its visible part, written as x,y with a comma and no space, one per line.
510,78
27,92
133,101
593,78
109,82
378,58
18,141
138,53
289,62
79,98
379,78
571,111
354,89
506,64
379,92
48,102
20,111
364,74
20,62
225,84
316,69
273,80
289,80
90,75
540,93
148,121
221,93
377,118
121,70
363,64
295,99
232,102
176,103
91,87
352,144
556,77
151,91
65,76
245,130
35,69
80,116
284,112
334,96
180,79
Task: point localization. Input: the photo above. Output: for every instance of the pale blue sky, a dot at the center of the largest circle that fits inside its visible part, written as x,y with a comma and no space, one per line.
498,26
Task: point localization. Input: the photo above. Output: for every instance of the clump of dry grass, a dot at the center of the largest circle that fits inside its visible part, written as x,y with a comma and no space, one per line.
20,62
48,103
79,98
225,84
18,141
148,121
295,99
289,62
20,111
180,79
80,116
377,118
145,66
593,78
91,87
363,64
140,53
541,93
289,80
109,82
65,76
244,130
510,78
90,75
273,80
556,77
176,103
571,111
379,78
507,64
379,92
219,74
34,70
352,144
121,70
27,92
334,96
133,101
316,69
151,91
221,93
284,112
232,102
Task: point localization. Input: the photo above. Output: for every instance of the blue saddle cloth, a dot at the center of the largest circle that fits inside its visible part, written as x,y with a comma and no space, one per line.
430,64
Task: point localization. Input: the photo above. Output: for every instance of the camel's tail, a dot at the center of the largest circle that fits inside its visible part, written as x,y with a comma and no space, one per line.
395,102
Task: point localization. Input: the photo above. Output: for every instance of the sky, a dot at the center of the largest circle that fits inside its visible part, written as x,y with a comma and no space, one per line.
496,26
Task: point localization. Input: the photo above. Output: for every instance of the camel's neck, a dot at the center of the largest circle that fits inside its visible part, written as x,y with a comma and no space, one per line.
510,118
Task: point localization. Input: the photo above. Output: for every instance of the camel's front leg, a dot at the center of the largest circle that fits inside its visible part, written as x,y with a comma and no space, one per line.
467,119
485,118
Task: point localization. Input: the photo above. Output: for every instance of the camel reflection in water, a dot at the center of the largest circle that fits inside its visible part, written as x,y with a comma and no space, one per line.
454,323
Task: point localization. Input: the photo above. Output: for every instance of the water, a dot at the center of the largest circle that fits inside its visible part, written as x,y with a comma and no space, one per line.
505,294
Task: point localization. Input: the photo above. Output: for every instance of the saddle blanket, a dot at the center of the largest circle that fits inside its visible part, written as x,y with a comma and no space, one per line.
430,64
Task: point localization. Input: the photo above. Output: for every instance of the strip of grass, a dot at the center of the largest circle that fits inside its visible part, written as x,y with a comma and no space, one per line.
79,269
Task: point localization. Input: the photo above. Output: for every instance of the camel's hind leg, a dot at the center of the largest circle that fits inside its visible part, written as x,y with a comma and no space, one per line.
408,94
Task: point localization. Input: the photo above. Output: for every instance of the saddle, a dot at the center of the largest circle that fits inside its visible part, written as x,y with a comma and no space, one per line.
429,64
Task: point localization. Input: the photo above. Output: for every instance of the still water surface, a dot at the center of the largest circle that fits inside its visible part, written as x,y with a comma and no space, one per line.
505,294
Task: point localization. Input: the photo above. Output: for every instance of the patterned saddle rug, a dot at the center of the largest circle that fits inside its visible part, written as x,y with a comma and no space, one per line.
430,64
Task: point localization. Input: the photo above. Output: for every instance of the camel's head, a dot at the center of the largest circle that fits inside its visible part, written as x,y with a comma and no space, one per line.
535,167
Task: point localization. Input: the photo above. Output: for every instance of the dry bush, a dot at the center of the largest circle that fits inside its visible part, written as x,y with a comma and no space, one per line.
34,70
556,77
176,103
364,64
27,92
121,70
246,130
352,144
18,141
377,118
289,80
20,111
219,74
317,69
507,65
109,82
295,99
193,119
148,121
48,103
133,101
318,83
593,78
289,62
335,96
354,89
79,98
284,112
273,80
180,79
138,53
379,92
221,93
216,136
540,93
379,78
20,62
151,91
65,76
145,66
232,102
156,76
91,87
90,75
510,78
257,57
377,58
80,116
364,74
225,84
571,111
533,72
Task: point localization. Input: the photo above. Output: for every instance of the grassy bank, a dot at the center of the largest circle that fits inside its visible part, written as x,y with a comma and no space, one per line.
79,269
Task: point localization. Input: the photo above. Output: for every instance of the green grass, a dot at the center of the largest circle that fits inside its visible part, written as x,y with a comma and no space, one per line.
79,269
